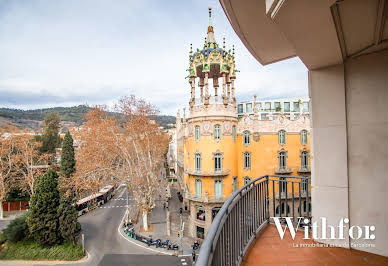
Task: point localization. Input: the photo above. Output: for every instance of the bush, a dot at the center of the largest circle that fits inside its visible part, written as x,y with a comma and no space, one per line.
17,230
31,250
2,238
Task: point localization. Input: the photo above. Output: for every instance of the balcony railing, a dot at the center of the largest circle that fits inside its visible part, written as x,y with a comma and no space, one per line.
248,211
207,198
223,172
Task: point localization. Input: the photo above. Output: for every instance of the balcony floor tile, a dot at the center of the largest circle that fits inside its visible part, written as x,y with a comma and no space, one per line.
269,249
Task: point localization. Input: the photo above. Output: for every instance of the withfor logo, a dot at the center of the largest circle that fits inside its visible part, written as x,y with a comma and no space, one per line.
354,232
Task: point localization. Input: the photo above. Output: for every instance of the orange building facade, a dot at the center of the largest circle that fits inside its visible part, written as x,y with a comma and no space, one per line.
219,152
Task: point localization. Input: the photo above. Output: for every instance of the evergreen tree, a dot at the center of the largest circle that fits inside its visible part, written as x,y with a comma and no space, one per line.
67,156
69,227
50,137
42,221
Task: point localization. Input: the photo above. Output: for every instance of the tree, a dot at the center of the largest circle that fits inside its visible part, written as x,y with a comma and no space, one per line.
50,137
69,227
29,163
96,158
42,221
6,169
142,147
67,156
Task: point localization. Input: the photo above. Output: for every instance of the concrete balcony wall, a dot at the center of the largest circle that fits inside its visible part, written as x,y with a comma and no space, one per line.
367,122
329,146
349,140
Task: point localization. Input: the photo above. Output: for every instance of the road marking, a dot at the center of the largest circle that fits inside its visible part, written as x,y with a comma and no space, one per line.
184,263
183,260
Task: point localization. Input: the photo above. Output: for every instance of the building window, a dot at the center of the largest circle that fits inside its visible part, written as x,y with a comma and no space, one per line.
258,106
246,180
246,137
234,133
268,106
240,108
197,133
200,213
303,137
306,107
264,117
305,206
247,160
277,107
215,210
198,188
217,132
235,184
217,162
198,162
282,137
282,184
304,160
282,209
282,160
218,189
200,232
296,107
249,108
286,106
305,184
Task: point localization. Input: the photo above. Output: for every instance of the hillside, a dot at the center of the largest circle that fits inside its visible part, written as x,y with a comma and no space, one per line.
73,115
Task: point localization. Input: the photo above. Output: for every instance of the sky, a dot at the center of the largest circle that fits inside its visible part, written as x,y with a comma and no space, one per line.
71,52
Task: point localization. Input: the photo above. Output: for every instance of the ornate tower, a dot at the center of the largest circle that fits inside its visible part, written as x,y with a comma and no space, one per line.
210,132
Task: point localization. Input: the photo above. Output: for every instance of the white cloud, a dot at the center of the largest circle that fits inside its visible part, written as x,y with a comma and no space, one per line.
72,52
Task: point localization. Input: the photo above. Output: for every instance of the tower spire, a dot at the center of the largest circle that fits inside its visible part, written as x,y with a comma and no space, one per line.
210,31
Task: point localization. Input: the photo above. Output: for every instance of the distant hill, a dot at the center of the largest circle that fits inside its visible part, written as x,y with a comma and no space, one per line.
75,115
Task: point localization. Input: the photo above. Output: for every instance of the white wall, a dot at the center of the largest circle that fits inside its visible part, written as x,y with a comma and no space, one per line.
367,109
329,179
349,107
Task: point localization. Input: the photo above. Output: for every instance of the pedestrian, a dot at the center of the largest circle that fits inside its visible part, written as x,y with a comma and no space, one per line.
193,254
164,205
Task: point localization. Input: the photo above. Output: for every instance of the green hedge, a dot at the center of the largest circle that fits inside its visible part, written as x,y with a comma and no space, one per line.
31,250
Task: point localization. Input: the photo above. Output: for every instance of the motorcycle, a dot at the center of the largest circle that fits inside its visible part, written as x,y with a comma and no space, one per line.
195,246
165,243
158,243
173,247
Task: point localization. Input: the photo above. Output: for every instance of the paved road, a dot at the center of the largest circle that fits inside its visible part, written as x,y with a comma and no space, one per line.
107,247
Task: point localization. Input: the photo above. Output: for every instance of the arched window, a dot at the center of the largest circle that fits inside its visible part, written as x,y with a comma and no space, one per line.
283,209
282,160
246,137
303,137
282,137
217,162
247,160
246,180
304,160
217,132
197,133
198,162
198,188
234,133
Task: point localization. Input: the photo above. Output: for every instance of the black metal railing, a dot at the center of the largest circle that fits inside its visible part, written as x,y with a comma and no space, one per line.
247,211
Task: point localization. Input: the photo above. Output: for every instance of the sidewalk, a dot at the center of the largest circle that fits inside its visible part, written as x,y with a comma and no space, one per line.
157,220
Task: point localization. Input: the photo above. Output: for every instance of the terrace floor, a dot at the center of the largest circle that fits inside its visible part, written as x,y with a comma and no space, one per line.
269,249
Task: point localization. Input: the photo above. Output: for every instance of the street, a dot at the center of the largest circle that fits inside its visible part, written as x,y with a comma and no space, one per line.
106,247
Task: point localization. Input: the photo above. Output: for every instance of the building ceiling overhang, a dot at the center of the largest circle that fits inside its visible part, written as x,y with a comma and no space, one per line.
320,33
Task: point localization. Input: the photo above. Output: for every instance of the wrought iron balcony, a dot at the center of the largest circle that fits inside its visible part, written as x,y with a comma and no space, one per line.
247,212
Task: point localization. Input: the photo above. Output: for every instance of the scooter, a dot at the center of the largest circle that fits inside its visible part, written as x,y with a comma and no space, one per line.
165,243
173,247
158,243
150,242
195,246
